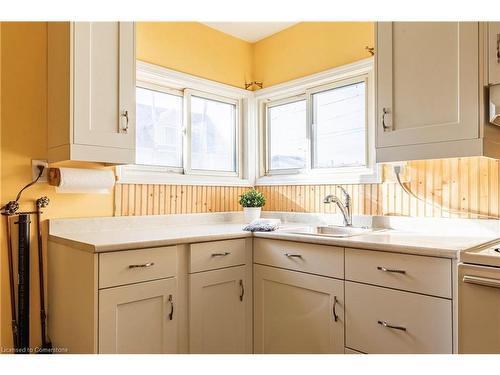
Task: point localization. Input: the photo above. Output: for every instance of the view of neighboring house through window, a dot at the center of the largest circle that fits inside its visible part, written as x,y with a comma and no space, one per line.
287,135
324,128
159,128
213,135
339,127
212,125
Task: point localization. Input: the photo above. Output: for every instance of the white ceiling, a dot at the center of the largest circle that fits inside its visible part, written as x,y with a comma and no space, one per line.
250,31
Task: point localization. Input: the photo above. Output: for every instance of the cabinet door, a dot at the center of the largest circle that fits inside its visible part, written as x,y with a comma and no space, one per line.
297,312
138,318
494,53
218,312
427,82
104,84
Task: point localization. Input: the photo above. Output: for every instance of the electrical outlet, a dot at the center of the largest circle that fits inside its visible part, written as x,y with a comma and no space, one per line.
390,170
35,171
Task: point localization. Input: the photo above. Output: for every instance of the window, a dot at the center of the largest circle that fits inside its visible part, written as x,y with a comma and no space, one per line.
213,135
187,131
319,129
287,135
159,128
339,126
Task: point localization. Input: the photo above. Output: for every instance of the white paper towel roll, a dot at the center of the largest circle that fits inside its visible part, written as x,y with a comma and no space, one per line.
76,180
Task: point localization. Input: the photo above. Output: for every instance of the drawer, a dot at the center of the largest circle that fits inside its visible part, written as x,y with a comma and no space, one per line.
414,273
425,323
133,266
298,256
217,254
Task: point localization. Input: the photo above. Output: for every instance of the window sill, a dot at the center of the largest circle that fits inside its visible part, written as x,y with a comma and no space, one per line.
368,176
138,174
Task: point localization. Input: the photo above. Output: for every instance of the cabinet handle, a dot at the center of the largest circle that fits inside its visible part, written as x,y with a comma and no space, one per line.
385,111
484,281
334,309
242,290
498,48
391,270
145,265
293,255
221,254
124,114
171,313
387,325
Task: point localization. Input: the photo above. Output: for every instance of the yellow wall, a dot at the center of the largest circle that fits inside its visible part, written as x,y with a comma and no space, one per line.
194,48
310,47
24,137
300,50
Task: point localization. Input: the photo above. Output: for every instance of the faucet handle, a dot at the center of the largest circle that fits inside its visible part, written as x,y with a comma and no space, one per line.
346,194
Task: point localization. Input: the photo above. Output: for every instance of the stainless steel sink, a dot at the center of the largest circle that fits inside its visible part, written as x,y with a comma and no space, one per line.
331,231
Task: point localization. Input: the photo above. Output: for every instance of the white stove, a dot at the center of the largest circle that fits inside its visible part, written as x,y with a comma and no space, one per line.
479,300
488,255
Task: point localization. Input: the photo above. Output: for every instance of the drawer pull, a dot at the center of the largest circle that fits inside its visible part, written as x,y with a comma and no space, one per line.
391,270
484,281
145,265
387,325
221,254
242,290
334,310
293,255
171,313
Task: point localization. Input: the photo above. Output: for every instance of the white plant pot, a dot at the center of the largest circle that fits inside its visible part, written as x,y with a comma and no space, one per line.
251,213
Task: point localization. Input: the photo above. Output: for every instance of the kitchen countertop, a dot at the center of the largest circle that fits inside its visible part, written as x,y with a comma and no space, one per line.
384,240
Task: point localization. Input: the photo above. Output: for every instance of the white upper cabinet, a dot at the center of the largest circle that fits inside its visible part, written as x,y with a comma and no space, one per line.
494,53
429,77
91,91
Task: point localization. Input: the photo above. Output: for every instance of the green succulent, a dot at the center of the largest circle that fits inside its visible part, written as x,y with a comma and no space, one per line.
252,198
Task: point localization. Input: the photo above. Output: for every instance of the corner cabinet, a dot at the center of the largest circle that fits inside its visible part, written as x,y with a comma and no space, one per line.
297,312
91,91
430,89
298,298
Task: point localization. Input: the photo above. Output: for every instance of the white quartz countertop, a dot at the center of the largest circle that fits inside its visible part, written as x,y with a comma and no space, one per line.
438,245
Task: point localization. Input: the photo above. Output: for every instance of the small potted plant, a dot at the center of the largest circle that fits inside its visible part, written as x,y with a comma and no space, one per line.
252,202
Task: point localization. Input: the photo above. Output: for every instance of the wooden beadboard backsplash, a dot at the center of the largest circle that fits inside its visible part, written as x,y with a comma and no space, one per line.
135,199
468,186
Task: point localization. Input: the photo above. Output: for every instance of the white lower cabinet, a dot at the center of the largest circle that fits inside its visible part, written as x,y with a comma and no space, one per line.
296,312
138,318
218,311
382,320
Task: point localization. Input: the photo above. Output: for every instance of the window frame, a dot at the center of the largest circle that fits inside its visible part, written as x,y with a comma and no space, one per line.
170,91
154,77
306,87
188,93
277,103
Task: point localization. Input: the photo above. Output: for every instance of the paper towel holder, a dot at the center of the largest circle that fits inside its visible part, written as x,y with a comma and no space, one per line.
54,177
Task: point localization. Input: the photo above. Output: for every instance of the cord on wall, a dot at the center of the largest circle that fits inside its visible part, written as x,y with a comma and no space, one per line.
397,172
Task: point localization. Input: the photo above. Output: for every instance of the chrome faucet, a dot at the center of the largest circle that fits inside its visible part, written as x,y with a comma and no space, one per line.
345,208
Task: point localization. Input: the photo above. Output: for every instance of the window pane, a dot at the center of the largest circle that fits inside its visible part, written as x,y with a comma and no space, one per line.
213,135
287,136
339,116
159,128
